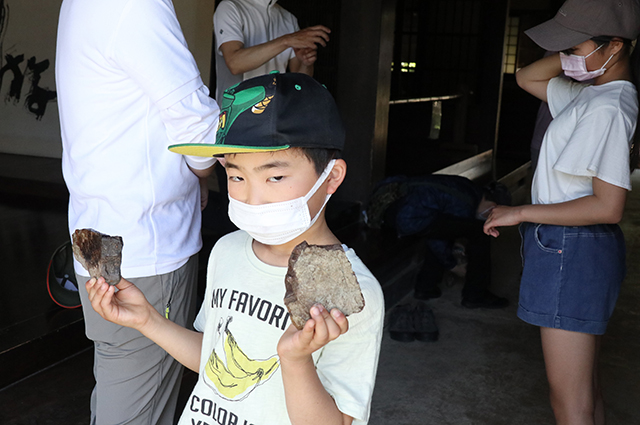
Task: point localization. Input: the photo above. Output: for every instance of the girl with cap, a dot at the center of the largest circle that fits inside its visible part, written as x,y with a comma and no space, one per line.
573,250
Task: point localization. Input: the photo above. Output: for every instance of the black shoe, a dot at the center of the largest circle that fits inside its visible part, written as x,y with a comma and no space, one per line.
488,300
427,294
424,323
401,323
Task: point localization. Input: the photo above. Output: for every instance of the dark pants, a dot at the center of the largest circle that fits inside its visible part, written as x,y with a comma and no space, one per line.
478,253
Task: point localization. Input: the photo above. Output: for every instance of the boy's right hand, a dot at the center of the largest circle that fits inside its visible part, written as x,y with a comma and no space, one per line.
127,307
322,328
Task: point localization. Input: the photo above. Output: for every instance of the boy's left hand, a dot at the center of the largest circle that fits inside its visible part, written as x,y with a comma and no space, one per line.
323,327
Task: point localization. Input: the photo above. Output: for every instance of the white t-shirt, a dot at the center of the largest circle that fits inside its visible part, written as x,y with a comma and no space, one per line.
128,87
243,317
251,22
590,136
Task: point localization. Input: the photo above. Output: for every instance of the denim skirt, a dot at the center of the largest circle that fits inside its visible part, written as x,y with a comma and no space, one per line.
571,275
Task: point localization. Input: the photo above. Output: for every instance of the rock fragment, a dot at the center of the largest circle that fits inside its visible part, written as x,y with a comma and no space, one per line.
100,254
320,274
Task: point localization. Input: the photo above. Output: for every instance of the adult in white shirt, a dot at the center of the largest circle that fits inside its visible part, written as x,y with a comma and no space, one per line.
573,249
128,87
255,37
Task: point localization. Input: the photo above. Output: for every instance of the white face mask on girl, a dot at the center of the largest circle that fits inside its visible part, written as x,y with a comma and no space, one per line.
279,222
575,66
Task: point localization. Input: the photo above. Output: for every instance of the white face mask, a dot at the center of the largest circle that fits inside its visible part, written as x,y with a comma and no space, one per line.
279,222
575,66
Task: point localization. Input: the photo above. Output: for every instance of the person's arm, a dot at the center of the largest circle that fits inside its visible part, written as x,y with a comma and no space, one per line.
606,205
308,402
193,119
535,78
303,61
204,191
241,59
129,307
153,53
202,174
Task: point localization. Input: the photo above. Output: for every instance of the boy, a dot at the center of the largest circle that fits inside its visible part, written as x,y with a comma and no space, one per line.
278,134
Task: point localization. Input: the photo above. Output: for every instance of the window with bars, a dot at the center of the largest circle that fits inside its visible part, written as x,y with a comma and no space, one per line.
436,47
511,45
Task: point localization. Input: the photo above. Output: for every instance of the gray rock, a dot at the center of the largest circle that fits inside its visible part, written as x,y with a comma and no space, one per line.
99,254
320,274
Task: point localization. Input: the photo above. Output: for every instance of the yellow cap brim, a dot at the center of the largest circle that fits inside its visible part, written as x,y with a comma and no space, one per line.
209,150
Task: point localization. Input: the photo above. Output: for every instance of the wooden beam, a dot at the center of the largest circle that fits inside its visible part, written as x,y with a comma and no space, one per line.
471,168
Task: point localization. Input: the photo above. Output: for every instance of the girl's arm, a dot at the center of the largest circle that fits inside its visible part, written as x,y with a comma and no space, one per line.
534,78
606,205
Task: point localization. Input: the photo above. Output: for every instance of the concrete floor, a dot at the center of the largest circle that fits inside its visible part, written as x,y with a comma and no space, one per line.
486,368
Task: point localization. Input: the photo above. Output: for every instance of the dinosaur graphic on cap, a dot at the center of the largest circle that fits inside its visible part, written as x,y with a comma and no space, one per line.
235,103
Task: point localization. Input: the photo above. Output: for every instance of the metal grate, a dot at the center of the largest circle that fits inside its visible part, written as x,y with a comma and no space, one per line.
436,48
511,45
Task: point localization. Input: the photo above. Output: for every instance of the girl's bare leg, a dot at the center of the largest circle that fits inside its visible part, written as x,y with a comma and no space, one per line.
598,415
570,362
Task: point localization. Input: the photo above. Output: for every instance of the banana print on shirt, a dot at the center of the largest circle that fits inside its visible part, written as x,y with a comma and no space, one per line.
235,377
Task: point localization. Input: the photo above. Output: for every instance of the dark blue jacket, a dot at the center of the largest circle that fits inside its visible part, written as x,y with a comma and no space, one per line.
425,198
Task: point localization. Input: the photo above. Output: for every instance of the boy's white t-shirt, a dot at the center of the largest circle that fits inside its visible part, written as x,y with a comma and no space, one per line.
128,87
251,22
243,317
590,136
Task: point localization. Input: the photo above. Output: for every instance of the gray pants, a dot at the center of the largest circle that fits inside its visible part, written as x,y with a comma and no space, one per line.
137,382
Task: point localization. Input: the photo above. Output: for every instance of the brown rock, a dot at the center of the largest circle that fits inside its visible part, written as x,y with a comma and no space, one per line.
100,254
320,274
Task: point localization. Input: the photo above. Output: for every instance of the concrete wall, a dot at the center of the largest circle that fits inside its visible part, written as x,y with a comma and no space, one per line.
28,36
28,30
196,19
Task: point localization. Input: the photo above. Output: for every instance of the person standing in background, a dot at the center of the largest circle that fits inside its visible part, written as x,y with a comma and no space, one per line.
573,250
128,87
255,37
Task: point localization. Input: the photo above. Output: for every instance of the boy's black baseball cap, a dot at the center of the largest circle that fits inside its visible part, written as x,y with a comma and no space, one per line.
273,112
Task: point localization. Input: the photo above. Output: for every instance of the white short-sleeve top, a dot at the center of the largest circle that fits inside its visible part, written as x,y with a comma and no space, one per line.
243,316
590,136
251,22
128,87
